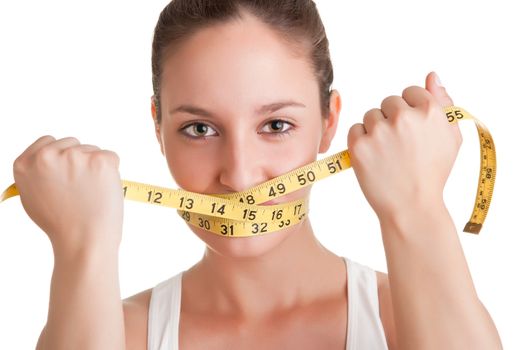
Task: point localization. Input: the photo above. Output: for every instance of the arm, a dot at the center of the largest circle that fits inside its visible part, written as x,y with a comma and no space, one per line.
85,309
402,156
435,304
73,192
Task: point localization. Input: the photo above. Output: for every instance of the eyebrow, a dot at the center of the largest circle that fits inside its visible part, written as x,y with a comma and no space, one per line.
268,108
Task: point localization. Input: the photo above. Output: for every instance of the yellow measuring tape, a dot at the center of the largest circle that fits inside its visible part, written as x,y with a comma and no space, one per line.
239,215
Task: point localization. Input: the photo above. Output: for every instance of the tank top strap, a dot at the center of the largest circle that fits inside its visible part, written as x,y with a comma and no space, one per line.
365,330
163,314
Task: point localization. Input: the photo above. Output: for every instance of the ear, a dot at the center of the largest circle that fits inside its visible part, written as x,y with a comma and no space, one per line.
153,111
330,122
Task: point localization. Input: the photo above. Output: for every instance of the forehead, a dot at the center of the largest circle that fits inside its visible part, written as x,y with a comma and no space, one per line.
237,61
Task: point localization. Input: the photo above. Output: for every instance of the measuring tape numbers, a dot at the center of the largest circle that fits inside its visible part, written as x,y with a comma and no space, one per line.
240,215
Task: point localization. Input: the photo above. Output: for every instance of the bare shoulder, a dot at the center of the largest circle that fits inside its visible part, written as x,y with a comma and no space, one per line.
135,309
386,309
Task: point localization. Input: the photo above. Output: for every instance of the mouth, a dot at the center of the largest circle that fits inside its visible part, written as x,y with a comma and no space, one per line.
271,202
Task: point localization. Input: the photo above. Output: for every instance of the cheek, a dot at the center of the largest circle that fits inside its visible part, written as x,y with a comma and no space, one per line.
301,151
192,169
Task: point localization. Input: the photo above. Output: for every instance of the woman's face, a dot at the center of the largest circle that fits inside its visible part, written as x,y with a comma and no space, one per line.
238,109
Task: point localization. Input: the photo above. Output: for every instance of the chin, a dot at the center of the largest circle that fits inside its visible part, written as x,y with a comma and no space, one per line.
243,247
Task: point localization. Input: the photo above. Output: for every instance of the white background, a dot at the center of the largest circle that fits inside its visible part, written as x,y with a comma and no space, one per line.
72,68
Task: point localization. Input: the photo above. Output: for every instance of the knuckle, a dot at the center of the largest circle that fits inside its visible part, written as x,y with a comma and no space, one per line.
410,90
355,139
358,150
352,134
98,160
354,130
401,121
370,112
104,158
19,165
93,147
45,155
46,137
380,129
370,116
376,127
71,154
112,156
390,100
398,115
70,139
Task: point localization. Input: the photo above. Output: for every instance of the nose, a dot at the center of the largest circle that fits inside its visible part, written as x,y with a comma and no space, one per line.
241,165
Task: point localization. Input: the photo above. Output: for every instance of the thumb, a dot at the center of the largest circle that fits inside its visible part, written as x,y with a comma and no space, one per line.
434,86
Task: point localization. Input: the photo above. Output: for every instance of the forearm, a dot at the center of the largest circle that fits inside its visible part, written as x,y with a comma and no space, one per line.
85,308
435,303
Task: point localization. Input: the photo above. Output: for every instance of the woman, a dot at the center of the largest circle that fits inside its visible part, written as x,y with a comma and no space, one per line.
242,95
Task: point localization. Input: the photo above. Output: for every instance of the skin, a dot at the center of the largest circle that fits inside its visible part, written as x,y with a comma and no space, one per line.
427,300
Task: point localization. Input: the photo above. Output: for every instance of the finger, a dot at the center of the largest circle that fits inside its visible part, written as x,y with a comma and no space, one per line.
372,118
393,105
438,91
38,144
417,97
86,148
114,158
355,133
104,158
65,142
434,86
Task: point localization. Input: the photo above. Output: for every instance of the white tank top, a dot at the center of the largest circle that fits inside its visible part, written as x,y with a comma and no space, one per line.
364,330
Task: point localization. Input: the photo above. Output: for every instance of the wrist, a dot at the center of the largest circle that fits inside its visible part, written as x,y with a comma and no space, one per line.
420,214
88,250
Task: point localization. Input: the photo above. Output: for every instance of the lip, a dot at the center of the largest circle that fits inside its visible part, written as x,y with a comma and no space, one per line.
281,200
271,202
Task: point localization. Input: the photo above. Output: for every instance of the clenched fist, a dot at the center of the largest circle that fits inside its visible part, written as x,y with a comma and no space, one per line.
72,192
403,152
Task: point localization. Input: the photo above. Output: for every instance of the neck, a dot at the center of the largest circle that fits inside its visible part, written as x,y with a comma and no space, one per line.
297,272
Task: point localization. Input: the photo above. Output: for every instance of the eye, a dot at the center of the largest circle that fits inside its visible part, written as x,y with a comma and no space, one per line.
277,126
196,130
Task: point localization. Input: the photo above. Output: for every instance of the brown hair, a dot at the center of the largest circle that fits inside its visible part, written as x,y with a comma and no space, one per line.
297,21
